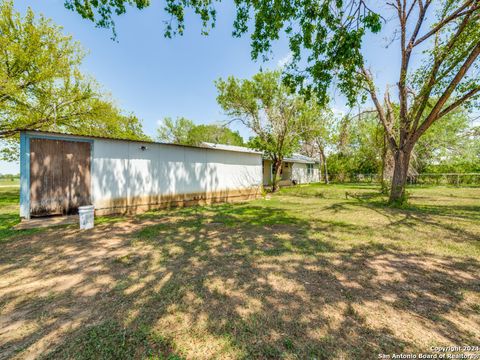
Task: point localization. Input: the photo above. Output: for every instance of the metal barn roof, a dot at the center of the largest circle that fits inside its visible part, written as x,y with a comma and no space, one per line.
229,148
201,146
295,157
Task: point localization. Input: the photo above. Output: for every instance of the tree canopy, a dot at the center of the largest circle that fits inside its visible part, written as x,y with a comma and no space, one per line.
449,145
326,43
215,134
184,131
326,35
175,131
278,118
320,134
358,147
42,87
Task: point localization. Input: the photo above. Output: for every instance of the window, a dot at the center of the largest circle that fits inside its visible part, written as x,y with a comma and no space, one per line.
309,169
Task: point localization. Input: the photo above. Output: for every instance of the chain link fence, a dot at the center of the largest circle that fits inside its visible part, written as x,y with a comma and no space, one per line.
455,179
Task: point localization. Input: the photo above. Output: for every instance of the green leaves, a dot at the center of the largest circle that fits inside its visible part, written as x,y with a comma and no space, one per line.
184,131
39,71
325,37
42,87
214,134
101,12
372,22
278,118
446,144
175,131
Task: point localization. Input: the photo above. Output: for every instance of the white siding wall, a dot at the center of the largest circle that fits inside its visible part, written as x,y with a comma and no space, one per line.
300,173
122,170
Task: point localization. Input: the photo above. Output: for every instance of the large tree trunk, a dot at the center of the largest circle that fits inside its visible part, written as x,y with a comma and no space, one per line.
400,172
277,163
325,171
324,165
320,168
388,161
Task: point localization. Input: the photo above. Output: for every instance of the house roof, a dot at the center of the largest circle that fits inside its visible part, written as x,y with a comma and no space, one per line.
295,157
202,146
299,158
229,148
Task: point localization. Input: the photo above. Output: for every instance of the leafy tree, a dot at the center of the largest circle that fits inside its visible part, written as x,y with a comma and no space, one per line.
42,87
461,159
175,131
184,131
105,119
444,140
265,105
358,146
41,82
446,79
328,37
450,145
320,135
447,145
214,134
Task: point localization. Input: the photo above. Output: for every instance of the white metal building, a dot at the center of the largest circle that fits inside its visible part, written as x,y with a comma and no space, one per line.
61,172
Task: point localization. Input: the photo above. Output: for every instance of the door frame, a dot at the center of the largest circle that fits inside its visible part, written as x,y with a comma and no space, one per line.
25,164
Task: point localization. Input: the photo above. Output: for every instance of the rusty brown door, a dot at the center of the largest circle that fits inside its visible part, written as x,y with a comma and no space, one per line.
59,176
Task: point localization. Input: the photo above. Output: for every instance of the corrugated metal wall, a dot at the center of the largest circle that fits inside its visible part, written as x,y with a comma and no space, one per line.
125,176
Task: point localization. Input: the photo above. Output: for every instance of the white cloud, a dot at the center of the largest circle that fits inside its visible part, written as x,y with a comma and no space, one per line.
285,60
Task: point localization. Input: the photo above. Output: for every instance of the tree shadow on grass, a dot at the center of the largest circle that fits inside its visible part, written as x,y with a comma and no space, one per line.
261,303
419,215
240,281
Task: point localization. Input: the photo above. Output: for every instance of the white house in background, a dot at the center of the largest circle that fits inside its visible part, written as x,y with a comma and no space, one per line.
296,169
59,173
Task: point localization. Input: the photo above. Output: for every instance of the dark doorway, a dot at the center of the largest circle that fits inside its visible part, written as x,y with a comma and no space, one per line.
59,176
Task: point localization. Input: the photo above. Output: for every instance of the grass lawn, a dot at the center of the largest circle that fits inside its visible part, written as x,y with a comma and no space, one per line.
324,272
9,182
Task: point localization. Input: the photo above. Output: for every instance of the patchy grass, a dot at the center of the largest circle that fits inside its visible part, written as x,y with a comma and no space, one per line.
311,272
112,341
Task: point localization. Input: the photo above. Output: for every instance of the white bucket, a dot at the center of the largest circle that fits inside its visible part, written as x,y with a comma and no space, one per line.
85,213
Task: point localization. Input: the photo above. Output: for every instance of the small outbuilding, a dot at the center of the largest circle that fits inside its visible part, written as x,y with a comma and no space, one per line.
296,169
61,172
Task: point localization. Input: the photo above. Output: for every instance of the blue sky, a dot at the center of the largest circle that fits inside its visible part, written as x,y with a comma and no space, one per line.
155,77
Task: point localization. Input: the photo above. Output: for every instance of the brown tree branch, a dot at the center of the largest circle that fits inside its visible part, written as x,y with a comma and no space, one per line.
424,95
458,13
434,113
458,102
379,107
